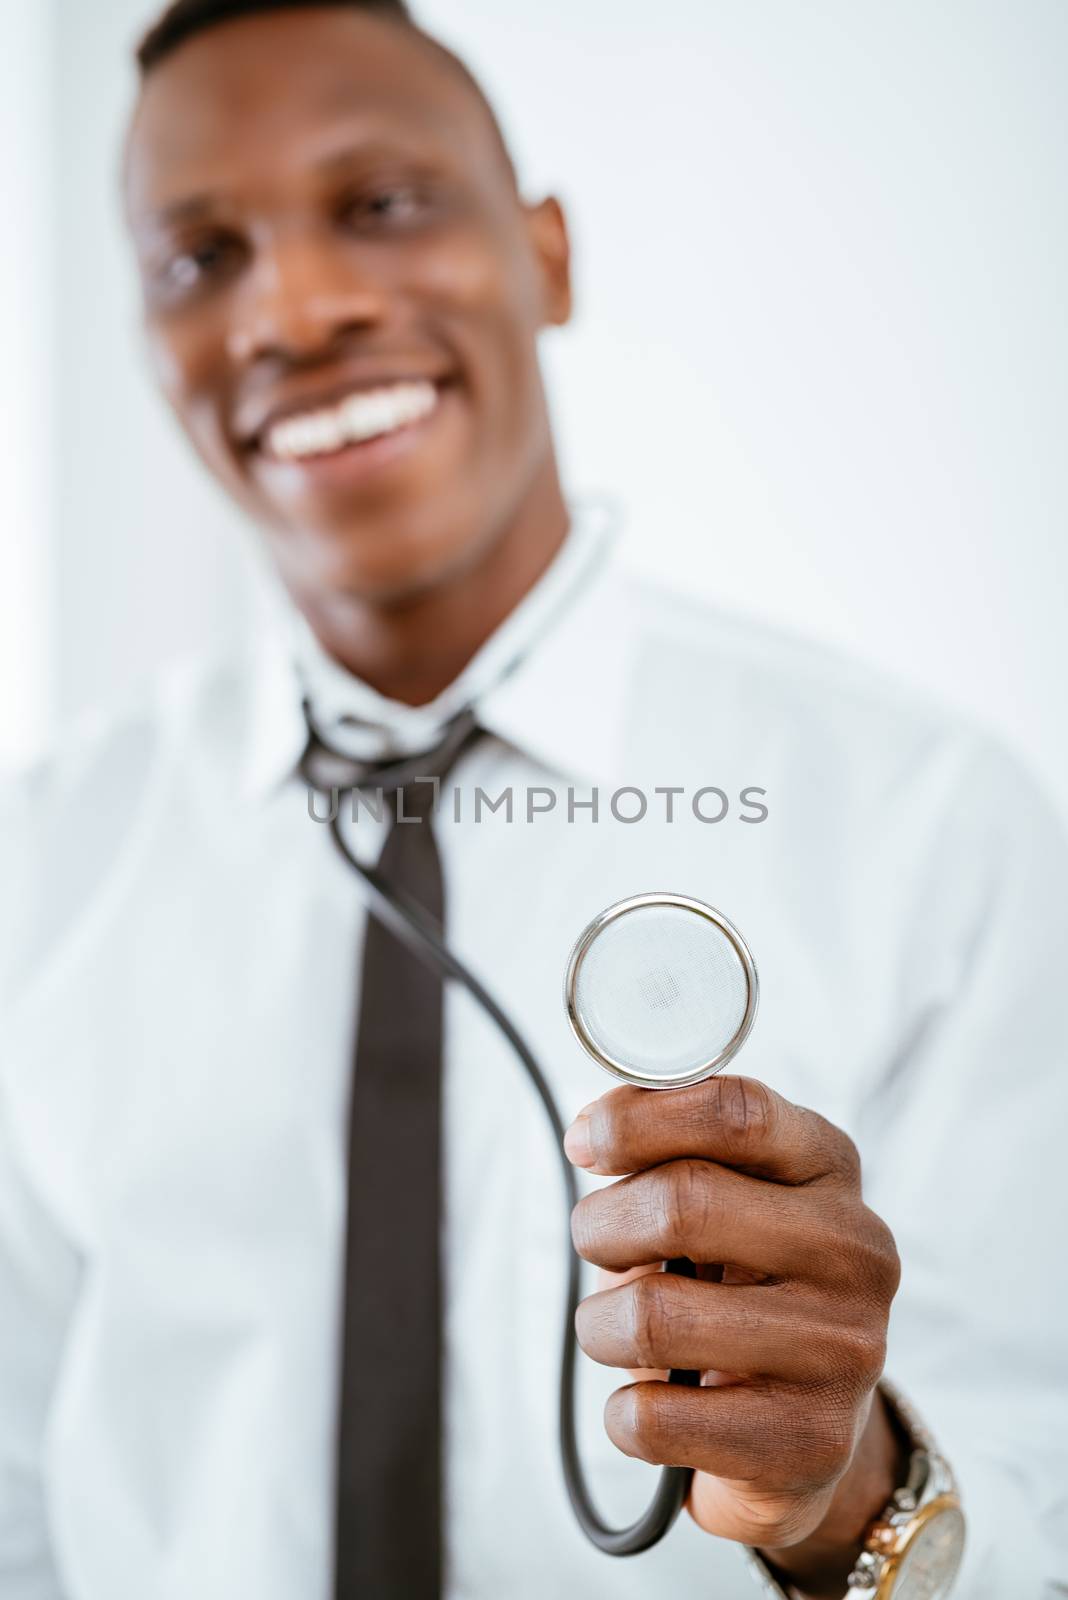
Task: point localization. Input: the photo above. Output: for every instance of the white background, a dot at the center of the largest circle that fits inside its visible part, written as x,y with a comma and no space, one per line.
820,353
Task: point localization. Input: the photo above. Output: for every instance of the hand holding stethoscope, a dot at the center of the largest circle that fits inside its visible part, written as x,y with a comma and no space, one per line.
662,991
773,1362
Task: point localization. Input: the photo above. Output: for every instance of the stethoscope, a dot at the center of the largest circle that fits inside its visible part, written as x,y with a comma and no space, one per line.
660,990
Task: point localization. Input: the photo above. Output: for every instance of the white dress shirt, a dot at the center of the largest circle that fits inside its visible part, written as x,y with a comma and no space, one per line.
179,955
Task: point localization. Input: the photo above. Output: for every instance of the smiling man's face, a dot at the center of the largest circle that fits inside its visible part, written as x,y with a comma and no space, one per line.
343,292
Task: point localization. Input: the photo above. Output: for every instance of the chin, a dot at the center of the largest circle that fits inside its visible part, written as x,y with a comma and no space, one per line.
395,568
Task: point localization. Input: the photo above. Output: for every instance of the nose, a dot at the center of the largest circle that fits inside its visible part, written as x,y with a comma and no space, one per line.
299,295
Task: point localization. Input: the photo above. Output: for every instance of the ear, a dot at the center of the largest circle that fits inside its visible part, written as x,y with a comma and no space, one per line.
547,231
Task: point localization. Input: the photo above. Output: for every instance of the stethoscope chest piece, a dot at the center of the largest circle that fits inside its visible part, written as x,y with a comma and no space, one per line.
661,990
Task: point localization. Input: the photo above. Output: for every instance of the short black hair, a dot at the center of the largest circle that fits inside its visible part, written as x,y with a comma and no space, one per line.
185,18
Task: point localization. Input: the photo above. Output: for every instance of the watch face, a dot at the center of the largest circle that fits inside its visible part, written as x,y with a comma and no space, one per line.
930,1563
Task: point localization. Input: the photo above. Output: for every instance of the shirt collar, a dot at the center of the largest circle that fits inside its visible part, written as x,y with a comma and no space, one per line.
549,681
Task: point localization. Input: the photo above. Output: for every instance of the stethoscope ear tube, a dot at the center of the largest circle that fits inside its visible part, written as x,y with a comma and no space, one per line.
410,923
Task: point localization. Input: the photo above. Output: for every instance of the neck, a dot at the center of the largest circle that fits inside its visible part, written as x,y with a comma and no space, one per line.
412,648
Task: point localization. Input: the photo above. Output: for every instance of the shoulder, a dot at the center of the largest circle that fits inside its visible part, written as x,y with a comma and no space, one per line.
788,671
858,740
734,672
70,817
111,752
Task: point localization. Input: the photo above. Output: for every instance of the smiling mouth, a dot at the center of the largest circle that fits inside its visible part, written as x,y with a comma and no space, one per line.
359,417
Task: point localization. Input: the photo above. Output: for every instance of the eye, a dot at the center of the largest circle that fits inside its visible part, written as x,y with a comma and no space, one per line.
388,203
197,263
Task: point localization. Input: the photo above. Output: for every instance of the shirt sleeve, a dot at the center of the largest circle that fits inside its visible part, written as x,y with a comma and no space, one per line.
38,1276
38,1281
964,1149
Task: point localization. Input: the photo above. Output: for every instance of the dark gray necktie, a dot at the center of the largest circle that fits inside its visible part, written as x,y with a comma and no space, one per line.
389,1528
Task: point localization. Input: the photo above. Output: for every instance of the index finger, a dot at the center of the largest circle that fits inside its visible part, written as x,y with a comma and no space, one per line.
738,1122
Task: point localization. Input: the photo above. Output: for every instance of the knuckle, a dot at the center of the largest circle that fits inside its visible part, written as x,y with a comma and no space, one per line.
863,1349
649,1319
865,1261
746,1113
682,1203
840,1151
889,1261
848,1156
881,1262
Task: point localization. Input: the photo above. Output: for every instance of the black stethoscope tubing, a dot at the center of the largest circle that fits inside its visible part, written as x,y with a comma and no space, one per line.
409,922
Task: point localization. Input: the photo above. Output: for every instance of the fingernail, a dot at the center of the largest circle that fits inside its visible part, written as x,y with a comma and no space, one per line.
577,1145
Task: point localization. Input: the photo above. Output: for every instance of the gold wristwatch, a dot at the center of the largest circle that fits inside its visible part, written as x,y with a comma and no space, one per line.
913,1549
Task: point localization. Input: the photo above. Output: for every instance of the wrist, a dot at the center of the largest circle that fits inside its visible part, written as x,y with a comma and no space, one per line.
819,1565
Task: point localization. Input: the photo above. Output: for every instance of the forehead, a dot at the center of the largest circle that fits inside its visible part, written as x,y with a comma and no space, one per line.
265,95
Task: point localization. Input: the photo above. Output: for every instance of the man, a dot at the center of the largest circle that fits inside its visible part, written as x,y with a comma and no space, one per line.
202,1307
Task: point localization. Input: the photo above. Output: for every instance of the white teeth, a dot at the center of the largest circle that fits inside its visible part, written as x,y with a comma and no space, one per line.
360,416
